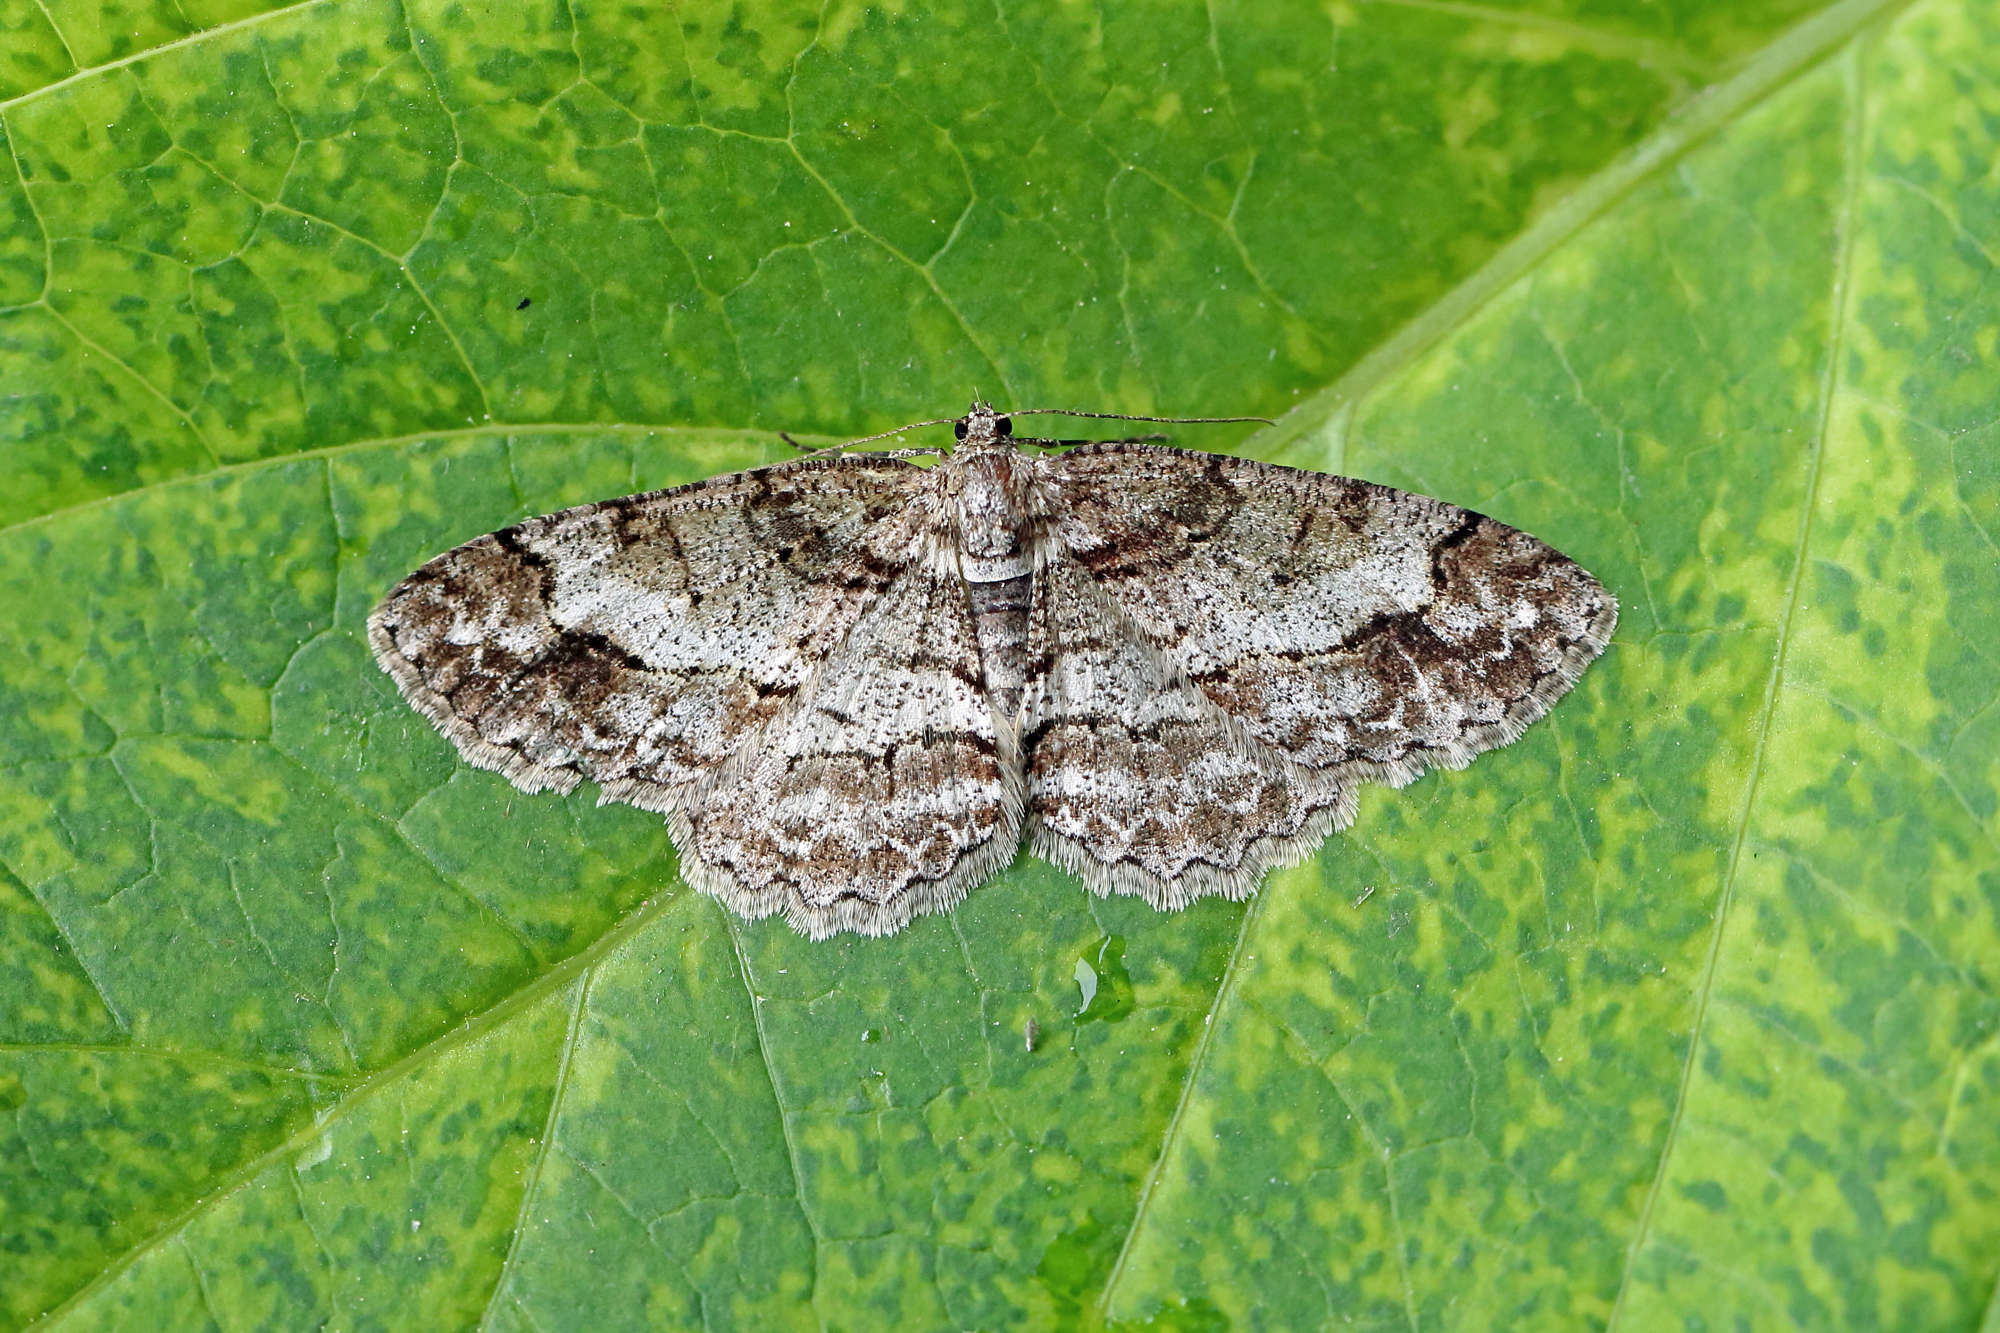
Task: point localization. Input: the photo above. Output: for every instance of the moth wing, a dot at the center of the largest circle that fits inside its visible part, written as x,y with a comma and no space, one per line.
640,641
889,790
1136,781
1359,631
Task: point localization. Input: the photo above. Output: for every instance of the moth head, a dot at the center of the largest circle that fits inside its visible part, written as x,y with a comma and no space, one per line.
981,425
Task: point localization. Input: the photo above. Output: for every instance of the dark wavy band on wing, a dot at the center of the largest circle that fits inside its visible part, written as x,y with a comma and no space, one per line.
639,641
890,790
1136,781
1358,630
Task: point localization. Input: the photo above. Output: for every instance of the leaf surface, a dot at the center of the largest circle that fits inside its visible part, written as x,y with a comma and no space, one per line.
1683,1004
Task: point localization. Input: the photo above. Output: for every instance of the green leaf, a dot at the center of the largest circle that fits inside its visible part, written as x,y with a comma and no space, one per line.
1680,1011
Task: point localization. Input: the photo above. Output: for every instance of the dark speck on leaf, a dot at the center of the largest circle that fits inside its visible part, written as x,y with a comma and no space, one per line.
526,301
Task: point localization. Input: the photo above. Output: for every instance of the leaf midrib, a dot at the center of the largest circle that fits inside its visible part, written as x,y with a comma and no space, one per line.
1855,130
1711,109
748,434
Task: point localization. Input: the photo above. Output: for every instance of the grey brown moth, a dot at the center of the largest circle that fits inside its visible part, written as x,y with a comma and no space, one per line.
853,684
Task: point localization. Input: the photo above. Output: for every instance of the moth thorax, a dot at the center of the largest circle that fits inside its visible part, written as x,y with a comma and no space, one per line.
991,509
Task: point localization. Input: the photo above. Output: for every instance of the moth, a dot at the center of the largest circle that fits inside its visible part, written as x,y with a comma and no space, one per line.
854,684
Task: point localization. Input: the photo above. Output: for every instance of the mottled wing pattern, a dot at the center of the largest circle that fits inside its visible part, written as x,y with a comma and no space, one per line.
889,790
789,663
1137,782
639,641
1360,632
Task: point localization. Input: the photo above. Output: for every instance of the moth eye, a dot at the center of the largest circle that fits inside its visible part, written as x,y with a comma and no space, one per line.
1005,426
958,429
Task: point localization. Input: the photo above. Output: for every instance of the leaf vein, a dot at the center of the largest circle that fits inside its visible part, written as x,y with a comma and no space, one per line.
531,1182
1230,976
192,39
784,1118
1774,683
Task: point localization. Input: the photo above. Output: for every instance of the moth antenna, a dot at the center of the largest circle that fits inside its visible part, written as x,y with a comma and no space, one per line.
1126,416
885,434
